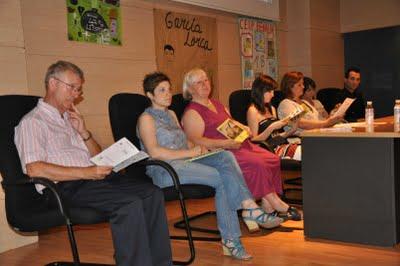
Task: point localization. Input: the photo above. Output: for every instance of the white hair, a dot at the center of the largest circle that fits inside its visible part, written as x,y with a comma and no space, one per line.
188,81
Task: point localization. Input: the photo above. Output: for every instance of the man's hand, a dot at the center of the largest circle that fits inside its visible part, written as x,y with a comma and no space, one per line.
334,110
97,172
77,122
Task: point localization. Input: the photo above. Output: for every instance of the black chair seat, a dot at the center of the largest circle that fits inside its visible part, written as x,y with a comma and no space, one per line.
189,191
37,220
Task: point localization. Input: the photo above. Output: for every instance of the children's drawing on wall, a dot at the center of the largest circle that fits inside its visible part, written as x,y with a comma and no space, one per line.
260,41
258,49
247,45
271,68
248,74
271,49
94,21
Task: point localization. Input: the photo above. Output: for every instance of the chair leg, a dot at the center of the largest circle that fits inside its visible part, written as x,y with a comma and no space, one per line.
75,253
181,225
188,236
72,242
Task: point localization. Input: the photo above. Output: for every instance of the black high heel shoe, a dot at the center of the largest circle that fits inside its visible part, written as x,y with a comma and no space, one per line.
293,214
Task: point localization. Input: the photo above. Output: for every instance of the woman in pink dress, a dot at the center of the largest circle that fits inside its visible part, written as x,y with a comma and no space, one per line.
261,168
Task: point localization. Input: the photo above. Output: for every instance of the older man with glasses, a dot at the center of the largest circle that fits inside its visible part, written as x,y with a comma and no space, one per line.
53,142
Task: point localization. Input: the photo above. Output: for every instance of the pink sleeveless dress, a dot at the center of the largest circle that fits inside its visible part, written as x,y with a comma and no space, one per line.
261,168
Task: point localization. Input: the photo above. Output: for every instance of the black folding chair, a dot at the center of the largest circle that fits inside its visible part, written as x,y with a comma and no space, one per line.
124,111
26,209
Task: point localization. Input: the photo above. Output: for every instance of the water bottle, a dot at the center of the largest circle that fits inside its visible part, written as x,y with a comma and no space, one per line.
396,116
369,117
369,113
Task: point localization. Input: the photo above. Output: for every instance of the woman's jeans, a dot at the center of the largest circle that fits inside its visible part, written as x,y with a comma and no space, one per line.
219,171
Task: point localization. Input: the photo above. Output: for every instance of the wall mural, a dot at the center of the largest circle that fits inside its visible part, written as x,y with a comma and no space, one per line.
257,49
96,21
185,41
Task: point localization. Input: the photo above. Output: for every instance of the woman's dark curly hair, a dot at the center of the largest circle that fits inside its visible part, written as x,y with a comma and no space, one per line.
261,85
151,81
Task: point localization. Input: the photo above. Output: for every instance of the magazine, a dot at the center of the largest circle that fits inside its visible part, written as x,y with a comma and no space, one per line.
232,130
204,155
119,155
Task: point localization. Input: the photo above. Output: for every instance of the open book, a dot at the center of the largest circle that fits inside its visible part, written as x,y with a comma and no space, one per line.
343,107
299,110
232,130
119,155
204,155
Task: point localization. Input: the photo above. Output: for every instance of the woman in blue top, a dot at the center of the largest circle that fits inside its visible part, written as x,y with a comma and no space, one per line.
162,137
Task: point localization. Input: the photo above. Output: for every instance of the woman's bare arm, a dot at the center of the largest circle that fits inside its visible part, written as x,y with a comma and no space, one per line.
147,133
194,128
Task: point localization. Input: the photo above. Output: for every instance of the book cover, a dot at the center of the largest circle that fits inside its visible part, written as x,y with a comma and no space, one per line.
119,155
232,130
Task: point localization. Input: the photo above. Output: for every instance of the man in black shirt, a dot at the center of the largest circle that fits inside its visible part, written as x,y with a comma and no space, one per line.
351,89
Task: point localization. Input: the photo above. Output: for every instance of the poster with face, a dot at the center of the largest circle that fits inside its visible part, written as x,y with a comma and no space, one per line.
183,42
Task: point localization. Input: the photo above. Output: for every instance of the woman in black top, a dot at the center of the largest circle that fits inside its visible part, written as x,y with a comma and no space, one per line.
263,123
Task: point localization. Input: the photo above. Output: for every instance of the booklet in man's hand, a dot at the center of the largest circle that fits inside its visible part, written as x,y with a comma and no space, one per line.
232,130
119,155
343,107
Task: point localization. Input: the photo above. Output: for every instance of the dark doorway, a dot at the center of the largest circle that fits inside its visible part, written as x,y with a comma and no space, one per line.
377,53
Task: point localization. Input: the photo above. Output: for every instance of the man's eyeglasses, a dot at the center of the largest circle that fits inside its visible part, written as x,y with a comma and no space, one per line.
70,86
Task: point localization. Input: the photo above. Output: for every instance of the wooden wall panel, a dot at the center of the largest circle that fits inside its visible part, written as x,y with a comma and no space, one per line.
328,76
12,53
327,48
10,24
228,42
12,70
252,8
230,79
356,15
325,15
298,48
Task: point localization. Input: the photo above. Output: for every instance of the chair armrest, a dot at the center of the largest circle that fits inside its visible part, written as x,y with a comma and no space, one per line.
46,183
168,168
